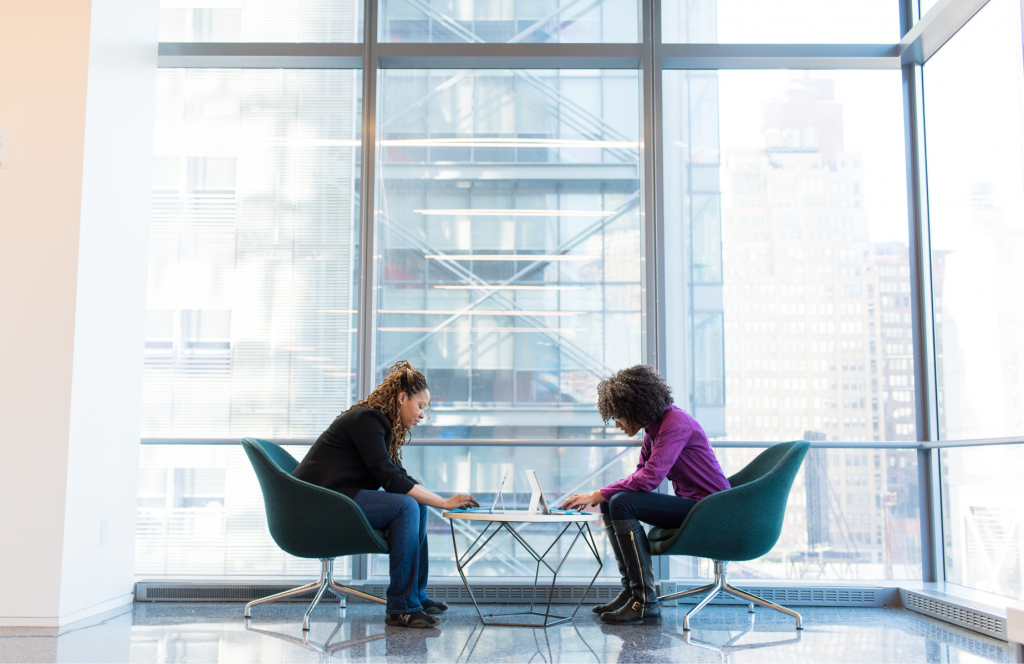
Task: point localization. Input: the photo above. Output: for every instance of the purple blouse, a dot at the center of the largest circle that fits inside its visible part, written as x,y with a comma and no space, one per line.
675,447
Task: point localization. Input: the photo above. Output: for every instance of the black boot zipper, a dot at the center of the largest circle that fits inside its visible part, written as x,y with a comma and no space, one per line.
639,566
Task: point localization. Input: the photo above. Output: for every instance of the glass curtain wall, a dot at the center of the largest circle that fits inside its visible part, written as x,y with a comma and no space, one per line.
510,264
485,21
295,21
252,300
509,236
780,22
510,271
973,108
785,193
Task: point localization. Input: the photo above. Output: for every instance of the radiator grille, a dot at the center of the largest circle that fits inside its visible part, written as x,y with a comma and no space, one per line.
218,593
503,593
811,596
513,594
830,596
488,593
958,615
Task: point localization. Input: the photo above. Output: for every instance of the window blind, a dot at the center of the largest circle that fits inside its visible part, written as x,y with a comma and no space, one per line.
251,299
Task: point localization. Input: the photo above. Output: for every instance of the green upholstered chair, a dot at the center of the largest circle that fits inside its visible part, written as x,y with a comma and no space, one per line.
741,523
309,521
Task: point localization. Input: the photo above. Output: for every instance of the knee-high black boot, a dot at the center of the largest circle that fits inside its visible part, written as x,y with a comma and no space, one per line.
636,552
625,594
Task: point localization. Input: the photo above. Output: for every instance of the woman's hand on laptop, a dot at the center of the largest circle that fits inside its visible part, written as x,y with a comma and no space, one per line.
460,501
579,501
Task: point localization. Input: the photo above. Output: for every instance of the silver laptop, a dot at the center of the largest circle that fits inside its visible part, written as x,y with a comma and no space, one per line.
500,494
490,510
538,503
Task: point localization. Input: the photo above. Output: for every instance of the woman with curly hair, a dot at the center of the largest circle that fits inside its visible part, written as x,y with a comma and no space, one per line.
675,447
360,453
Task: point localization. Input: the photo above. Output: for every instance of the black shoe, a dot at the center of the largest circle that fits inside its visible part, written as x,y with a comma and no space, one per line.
620,601
643,603
433,608
625,594
418,619
648,613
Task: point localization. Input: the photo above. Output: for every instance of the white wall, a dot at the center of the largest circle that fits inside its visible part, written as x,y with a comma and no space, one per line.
77,95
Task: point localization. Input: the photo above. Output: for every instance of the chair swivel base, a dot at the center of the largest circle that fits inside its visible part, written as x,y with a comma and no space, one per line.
325,583
721,585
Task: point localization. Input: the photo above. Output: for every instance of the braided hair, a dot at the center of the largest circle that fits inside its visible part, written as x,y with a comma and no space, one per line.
637,394
402,377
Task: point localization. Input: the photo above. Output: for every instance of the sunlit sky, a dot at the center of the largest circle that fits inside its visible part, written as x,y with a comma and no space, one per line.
872,125
808,21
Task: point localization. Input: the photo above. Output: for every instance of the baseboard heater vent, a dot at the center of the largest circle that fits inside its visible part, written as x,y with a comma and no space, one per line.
808,596
212,593
973,619
505,593
493,593
818,596
513,594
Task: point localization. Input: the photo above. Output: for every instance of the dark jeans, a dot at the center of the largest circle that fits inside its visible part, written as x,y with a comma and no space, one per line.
406,523
657,509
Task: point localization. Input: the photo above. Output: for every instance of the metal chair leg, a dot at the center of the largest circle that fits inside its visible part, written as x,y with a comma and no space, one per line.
301,590
715,590
684,593
316,600
721,585
321,586
736,592
342,600
341,591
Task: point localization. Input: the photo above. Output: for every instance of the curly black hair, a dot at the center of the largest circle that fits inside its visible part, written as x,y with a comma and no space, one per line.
637,394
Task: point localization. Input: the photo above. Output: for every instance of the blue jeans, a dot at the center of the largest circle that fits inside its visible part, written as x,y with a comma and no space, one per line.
657,509
406,523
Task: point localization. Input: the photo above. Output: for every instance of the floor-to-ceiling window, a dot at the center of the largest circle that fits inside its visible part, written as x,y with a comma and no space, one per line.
252,297
792,184
521,198
974,90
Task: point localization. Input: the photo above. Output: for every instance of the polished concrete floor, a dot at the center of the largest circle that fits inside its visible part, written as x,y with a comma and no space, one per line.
204,632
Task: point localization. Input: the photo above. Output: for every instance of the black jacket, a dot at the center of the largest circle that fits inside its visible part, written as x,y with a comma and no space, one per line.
353,454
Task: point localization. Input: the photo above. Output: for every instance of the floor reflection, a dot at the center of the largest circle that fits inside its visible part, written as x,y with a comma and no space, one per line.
327,649
207,632
542,651
724,644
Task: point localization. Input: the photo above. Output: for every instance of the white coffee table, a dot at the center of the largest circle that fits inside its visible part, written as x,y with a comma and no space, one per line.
504,520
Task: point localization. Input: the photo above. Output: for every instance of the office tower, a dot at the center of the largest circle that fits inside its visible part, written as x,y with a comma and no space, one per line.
799,283
896,346
805,356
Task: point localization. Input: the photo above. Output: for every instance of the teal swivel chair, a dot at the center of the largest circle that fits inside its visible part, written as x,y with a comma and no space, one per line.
309,521
741,523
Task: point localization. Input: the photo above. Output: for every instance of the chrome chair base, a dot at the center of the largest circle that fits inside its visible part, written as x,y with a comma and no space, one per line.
721,585
325,583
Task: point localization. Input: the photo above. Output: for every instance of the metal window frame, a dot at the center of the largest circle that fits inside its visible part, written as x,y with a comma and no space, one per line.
622,442
921,38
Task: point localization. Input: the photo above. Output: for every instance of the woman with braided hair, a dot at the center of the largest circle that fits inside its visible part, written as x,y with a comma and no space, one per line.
361,453
675,447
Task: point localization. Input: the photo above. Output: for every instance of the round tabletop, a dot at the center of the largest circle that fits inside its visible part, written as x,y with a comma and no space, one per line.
521,516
